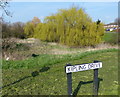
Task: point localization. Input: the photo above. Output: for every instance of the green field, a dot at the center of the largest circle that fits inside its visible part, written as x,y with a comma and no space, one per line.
45,74
110,37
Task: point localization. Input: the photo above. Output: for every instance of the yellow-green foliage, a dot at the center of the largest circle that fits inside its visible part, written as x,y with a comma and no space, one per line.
29,29
71,27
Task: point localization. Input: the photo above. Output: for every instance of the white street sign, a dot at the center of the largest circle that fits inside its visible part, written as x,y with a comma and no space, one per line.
83,67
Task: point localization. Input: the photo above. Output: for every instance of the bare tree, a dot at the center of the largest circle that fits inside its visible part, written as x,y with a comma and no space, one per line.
117,21
3,5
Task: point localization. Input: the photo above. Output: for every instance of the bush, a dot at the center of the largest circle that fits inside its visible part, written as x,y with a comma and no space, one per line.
13,30
11,45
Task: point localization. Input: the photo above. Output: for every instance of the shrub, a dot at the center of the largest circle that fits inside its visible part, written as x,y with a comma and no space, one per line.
11,45
13,30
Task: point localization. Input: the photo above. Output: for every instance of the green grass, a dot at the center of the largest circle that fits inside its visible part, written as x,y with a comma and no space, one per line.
52,79
46,60
110,37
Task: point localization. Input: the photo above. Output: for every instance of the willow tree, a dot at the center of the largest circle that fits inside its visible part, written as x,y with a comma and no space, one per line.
72,27
30,27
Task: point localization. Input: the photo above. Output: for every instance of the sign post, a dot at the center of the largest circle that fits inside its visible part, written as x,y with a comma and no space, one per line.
69,81
95,81
82,67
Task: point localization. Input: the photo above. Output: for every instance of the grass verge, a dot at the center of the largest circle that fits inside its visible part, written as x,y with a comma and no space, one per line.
44,75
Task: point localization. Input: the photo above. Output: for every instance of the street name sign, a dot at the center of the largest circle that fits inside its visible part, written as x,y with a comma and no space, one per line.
83,67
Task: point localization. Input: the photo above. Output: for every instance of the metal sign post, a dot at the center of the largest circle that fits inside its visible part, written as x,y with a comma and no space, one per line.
95,81
69,81
83,67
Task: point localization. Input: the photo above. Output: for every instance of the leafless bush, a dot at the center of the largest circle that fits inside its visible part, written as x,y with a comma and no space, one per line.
10,47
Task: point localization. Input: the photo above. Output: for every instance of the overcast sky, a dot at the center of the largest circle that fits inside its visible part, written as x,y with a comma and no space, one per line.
107,12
